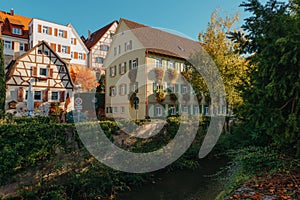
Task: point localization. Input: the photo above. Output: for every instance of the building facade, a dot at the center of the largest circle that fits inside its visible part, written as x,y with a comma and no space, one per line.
14,33
64,40
98,44
48,75
146,63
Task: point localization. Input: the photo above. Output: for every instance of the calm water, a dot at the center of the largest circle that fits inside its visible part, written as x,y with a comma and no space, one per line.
181,185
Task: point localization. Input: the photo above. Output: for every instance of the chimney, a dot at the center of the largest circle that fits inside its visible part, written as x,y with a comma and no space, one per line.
12,12
89,34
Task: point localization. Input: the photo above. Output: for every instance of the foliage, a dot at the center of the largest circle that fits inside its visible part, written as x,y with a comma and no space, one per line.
2,78
271,109
159,74
221,50
83,76
173,74
160,95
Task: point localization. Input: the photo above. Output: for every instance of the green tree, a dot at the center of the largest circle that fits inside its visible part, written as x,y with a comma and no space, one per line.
222,51
271,109
2,78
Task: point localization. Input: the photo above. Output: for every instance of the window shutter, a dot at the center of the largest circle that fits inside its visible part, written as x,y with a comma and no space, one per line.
137,87
115,70
66,34
137,62
39,28
75,42
76,55
130,63
69,50
169,110
61,96
168,88
176,88
177,109
154,87
125,67
50,73
13,45
20,94
34,71
59,48
50,31
45,95
26,47
55,32
119,68
84,56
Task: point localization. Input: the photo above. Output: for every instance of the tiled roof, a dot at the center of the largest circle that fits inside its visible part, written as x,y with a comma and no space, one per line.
96,36
15,19
158,41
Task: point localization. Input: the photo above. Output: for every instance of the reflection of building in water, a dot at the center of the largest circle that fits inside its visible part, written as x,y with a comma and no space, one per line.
145,62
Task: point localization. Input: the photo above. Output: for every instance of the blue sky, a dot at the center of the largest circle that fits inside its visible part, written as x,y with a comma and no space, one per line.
186,17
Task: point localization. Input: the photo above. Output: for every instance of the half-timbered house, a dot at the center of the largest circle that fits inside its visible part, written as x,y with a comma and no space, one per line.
47,73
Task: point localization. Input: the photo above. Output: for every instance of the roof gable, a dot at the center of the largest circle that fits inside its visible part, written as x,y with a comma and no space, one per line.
97,35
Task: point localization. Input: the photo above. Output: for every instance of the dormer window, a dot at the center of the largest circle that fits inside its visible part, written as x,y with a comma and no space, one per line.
17,31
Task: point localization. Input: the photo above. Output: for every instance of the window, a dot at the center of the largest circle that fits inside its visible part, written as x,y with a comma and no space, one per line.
46,52
17,31
72,54
108,109
113,71
115,51
196,110
46,30
43,71
184,89
112,91
119,49
64,49
158,111
171,65
122,68
128,45
115,109
38,95
61,33
7,44
104,47
135,87
22,47
182,67
134,64
80,56
99,60
54,96
158,62
73,41
122,109
185,109
172,110
122,89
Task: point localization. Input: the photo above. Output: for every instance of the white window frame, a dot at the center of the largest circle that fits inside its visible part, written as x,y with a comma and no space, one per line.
55,100
123,89
64,49
112,71
158,111
104,47
17,31
171,64
172,88
182,67
61,33
72,54
113,91
122,109
173,110
122,68
158,62
72,41
114,109
22,47
196,110
99,60
185,109
184,89
134,64
7,44
80,56
45,30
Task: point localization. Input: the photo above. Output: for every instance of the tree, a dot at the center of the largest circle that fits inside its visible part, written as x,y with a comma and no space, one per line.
271,109
222,50
83,76
2,78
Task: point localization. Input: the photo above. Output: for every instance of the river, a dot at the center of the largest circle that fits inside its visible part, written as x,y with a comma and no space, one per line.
181,185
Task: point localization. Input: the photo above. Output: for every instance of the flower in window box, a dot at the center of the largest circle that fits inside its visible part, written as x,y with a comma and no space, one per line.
173,74
160,95
159,74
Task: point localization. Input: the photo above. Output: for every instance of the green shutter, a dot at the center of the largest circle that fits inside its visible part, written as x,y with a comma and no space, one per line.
154,87
176,88
125,67
130,64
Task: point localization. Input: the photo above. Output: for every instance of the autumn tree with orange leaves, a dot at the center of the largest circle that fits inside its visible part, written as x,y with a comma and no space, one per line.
83,76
